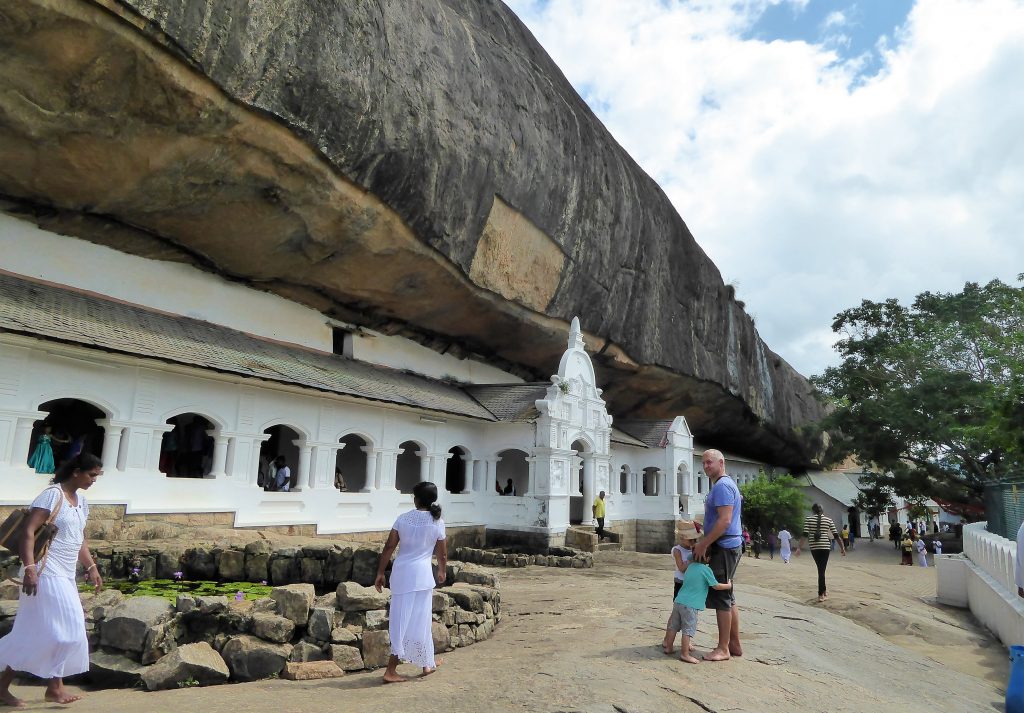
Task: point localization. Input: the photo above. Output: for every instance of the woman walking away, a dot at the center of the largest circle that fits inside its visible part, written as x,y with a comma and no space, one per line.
819,532
421,534
48,639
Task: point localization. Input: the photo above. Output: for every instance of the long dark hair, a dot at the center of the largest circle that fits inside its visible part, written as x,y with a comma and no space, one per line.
817,511
425,495
83,461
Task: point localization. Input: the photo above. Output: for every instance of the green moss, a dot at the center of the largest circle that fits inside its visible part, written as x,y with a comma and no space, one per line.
170,589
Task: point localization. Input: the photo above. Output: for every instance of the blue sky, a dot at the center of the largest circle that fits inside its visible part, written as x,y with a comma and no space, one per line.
821,152
852,29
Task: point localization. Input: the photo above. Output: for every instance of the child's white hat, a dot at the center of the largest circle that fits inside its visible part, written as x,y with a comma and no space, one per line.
686,529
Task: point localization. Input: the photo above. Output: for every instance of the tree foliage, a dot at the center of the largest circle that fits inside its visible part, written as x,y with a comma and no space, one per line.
874,499
932,393
769,504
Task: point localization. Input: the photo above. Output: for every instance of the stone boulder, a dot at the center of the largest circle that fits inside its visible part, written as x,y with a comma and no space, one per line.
200,563
231,566
339,565
347,657
197,662
251,659
353,597
306,651
364,564
467,599
272,627
311,670
108,670
127,623
321,624
294,601
376,649
9,589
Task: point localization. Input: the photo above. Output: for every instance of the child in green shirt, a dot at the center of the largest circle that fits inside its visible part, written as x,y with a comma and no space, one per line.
690,601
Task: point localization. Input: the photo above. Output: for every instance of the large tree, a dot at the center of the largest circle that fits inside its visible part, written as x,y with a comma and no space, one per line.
773,503
931,393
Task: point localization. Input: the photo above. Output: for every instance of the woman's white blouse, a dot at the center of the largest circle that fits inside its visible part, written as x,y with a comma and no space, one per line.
418,534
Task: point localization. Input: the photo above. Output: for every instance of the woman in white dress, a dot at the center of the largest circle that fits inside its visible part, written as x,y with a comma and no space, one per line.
421,534
48,638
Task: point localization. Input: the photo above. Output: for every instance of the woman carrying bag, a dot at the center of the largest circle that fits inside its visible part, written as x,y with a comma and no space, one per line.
819,532
48,639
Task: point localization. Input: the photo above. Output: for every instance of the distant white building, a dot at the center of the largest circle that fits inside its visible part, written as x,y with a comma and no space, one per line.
185,384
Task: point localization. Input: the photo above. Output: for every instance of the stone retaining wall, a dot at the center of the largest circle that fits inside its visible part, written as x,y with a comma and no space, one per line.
292,633
559,557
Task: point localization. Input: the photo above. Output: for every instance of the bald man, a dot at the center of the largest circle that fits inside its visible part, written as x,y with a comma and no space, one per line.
722,545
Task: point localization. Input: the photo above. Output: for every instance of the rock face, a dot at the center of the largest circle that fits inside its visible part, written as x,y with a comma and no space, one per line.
351,156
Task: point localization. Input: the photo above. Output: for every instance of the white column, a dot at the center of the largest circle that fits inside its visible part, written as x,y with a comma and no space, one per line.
372,472
491,475
305,456
229,457
530,475
479,476
23,440
111,444
426,472
467,475
220,456
588,487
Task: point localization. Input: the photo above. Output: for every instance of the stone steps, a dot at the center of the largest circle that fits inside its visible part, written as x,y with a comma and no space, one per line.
609,547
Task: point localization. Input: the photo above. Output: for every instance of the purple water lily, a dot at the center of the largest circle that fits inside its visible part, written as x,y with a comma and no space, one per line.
179,575
239,596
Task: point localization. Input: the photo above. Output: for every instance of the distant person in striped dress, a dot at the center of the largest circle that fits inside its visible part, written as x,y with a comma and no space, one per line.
819,533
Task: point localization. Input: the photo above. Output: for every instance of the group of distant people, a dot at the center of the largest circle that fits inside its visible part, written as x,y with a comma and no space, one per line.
54,448
912,541
275,475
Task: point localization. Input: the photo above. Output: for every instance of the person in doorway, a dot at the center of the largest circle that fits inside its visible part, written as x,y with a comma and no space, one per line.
339,480
48,639
41,460
510,488
497,487
418,535
785,545
819,533
723,536
265,473
282,475
598,510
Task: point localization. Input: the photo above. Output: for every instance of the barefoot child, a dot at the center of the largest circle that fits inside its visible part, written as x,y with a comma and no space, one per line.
686,536
688,604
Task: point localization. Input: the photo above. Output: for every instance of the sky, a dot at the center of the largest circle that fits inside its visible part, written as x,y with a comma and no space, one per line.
820,151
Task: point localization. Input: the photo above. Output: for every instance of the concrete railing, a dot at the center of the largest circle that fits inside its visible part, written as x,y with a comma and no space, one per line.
982,579
995,555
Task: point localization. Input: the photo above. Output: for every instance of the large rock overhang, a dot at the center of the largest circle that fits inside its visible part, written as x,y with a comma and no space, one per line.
417,166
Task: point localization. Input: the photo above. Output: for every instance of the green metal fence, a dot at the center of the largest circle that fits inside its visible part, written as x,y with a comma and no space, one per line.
1004,507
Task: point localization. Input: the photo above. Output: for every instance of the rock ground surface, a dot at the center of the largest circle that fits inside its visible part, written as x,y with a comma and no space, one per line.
588,640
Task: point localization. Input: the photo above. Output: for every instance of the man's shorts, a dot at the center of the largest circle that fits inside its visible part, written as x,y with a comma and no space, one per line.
683,619
723,562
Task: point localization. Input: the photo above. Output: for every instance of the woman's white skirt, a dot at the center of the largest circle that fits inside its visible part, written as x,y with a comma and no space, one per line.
410,627
48,638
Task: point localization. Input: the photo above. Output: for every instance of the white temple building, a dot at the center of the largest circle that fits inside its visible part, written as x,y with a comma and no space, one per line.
180,380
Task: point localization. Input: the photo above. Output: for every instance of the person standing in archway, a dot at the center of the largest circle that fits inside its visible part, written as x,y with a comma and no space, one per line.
598,509
723,536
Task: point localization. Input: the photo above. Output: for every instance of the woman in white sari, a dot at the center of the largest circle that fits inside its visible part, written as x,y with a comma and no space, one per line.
421,534
48,638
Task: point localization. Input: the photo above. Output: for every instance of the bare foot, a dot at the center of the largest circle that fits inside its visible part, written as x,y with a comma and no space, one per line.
689,659
395,678
62,698
716,654
667,651
427,670
9,699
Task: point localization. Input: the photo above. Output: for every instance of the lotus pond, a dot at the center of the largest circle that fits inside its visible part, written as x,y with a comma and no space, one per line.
170,588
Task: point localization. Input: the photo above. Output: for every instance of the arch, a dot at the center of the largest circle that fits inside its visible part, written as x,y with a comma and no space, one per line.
367,439
352,463
586,448
302,432
624,477
280,444
651,480
683,478
584,440
186,451
409,465
513,466
214,419
455,470
108,409
69,427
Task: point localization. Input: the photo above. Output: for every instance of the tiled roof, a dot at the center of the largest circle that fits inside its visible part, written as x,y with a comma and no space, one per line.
651,433
58,314
835,484
509,402
626,439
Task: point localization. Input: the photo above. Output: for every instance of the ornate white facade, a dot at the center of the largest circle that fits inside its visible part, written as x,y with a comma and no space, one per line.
70,337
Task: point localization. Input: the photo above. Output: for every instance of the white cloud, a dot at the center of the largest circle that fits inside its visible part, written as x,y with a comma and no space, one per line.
810,186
